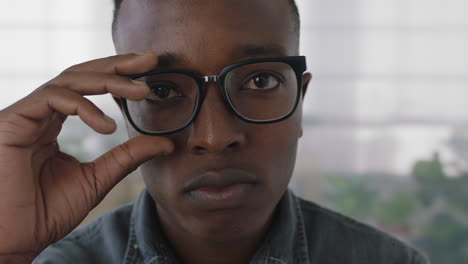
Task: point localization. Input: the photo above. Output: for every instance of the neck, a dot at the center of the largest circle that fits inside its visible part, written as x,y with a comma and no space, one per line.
196,249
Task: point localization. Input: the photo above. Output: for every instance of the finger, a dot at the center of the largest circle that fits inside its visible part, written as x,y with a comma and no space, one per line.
53,129
40,105
70,103
121,64
93,83
114,165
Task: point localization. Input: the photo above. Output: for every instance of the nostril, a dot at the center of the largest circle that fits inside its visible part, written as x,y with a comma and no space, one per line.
233,145
199,149
215,148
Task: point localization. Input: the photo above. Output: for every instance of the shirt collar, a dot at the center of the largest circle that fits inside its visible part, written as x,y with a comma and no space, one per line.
150,242
285,241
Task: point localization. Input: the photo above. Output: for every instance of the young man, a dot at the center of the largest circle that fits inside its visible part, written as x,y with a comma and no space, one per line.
213,109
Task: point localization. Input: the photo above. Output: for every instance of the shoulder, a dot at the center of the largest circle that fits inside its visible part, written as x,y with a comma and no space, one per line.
335,238
102,241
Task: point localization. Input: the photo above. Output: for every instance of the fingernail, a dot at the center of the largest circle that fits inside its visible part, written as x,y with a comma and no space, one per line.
139,83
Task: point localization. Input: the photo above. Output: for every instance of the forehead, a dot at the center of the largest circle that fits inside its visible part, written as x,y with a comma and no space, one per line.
212,32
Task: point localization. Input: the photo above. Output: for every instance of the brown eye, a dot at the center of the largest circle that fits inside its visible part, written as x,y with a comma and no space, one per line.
262,82
161,93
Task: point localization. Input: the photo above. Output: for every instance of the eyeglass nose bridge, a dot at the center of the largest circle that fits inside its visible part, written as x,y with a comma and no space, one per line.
211,78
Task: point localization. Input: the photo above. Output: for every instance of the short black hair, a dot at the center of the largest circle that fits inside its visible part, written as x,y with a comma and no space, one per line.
292,4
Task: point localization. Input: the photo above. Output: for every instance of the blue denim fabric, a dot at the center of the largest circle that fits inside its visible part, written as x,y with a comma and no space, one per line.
302,232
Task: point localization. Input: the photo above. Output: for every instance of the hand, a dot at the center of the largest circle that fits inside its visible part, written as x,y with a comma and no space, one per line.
45,193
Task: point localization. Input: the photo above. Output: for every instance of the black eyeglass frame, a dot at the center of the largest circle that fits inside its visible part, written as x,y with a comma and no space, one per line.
297,63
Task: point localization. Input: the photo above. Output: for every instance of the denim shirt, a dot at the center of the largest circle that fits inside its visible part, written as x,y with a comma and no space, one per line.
301,232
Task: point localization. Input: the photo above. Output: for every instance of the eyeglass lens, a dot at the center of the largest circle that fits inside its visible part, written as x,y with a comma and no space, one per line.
259,92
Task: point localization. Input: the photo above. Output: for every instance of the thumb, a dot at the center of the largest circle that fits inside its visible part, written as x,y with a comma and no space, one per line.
117,163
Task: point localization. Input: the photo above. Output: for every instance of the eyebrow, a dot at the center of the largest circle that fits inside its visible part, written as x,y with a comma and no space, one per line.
254,50
168,60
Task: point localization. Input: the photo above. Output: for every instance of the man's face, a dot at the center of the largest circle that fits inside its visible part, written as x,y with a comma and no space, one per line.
205,36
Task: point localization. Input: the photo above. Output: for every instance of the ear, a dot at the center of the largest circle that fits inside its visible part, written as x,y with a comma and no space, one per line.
306,78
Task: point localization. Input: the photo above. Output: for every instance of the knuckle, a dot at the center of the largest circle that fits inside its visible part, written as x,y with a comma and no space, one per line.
72,68
48,88
106,82
125,148
14,126
124,158
8,123
66,74
62,78
93,182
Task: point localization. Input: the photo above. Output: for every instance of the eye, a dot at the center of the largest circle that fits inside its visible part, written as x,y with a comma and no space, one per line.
160,93
262,81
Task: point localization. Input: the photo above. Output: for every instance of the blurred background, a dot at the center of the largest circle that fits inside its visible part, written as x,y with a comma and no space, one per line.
386,118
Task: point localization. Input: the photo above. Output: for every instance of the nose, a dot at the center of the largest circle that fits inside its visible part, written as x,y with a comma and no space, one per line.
216,130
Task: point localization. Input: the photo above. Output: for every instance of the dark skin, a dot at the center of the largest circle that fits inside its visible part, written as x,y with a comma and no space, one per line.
48,193
217,139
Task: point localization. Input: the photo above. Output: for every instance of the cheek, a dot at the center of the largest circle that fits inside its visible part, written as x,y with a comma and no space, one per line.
130,130
275,148
283,135
150,168
160,180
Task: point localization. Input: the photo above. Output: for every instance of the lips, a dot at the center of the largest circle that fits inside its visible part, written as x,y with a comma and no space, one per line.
219,179
221,189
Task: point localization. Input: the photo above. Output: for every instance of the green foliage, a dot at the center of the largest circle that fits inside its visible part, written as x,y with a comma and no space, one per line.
352,196
445,240
431,179
457,193
434,211
429,171
445,236
396,210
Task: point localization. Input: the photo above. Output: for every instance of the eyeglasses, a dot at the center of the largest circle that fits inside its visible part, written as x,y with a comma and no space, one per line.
259,91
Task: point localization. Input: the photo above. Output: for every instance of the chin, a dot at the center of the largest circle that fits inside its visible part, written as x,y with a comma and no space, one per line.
231,225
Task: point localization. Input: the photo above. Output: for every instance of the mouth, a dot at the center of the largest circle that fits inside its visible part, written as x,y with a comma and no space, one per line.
220,189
